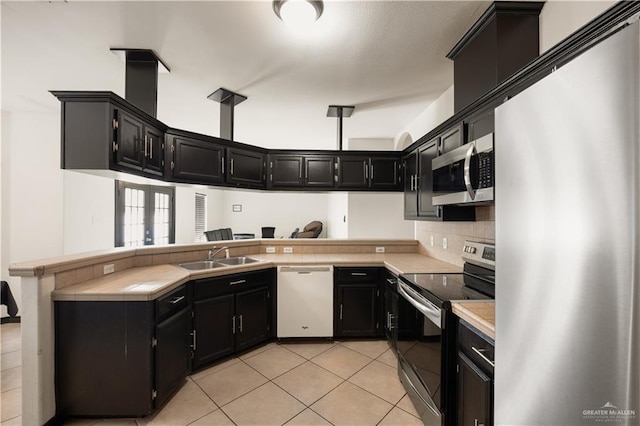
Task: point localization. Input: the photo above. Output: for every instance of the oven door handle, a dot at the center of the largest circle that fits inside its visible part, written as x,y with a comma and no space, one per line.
467,170
430,404
427,308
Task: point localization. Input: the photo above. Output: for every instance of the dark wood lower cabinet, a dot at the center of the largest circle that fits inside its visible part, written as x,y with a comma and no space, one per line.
356,302
252,317
213,327
172,355
474,394
230,314
475,370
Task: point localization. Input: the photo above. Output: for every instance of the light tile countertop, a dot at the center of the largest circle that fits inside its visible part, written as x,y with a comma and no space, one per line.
149,282
480,314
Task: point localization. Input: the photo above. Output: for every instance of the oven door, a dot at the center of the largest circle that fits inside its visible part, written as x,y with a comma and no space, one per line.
420,363
465,174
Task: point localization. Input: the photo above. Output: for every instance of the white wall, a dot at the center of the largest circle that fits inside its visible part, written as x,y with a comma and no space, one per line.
374,144
560,18
88,206
377,215
186,211
284,210
32,190
433,115
338,215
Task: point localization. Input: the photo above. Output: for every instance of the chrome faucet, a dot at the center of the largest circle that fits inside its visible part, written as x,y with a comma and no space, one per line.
212,253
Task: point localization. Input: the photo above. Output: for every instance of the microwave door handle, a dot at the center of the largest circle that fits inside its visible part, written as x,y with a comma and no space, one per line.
467,171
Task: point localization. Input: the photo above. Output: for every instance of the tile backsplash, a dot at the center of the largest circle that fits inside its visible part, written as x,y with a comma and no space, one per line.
483,230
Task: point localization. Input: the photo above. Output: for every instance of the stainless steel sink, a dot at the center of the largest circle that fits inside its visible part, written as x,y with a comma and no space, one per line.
202,264
242,260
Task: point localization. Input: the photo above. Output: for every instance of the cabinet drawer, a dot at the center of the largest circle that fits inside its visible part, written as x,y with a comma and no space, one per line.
211,287
476,346
357,275
171,302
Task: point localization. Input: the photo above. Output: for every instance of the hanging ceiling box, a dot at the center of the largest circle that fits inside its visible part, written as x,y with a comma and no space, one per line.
228,100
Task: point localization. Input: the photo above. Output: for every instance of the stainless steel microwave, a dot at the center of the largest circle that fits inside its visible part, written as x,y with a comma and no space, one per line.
465,174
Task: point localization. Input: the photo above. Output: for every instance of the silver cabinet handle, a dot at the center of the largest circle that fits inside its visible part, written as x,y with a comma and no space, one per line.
240,323
391,319
176,300
358,274
372,172
145,145
392,280
233,324
479,352
223,164
467,171
193,342
341,311
366,171
237,282
150,147
231,168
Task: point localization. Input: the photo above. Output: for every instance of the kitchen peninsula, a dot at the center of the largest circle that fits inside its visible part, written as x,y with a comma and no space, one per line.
149,273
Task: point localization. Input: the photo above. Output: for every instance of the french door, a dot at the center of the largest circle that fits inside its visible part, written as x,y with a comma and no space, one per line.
145,215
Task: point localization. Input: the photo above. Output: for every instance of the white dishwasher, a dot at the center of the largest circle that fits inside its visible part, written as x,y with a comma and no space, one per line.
305,301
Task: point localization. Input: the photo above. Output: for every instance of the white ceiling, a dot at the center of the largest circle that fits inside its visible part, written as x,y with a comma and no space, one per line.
385,57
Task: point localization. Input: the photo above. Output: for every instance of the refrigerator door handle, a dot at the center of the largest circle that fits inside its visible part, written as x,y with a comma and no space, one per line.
467,170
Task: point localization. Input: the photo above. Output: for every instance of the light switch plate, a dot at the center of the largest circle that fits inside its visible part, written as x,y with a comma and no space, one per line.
379,249
288,249
445,243
109,269
271,249
432,241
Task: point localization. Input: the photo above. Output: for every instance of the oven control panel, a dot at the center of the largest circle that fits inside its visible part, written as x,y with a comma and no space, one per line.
482,254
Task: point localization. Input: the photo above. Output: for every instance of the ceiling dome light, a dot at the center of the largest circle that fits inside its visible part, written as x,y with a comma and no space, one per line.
298,11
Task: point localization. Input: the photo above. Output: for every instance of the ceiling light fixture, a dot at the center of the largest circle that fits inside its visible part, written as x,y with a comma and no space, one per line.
298,11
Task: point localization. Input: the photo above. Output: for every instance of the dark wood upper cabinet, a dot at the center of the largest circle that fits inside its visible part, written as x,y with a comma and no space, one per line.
385,173
195,160
380,173
138,145
411,186
501,42
285,171
246,167
319,172
451,139
353,172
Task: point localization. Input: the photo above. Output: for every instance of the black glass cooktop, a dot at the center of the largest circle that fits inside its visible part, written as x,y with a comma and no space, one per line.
443,288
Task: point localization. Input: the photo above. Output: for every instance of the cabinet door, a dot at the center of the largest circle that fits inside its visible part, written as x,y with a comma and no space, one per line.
246,167
480,125
356,313
452,139
154,159
213,328
285,171
252,317
173,353
319,172
196,161
411,186
130,139
353,172
474,397
425,183
385,173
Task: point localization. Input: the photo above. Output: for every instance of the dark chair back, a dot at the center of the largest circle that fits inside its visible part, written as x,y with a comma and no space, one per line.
268,231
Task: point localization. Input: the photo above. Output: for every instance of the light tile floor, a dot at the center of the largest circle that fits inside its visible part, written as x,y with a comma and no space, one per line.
294,383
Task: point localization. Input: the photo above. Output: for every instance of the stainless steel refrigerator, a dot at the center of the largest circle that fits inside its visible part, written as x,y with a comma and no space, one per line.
567,182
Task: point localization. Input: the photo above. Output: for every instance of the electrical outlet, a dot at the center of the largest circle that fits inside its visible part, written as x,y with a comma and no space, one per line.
444,243
379,249
432,241
109,269
271,249
288,250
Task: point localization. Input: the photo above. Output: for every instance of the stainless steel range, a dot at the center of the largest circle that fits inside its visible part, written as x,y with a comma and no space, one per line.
426,358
